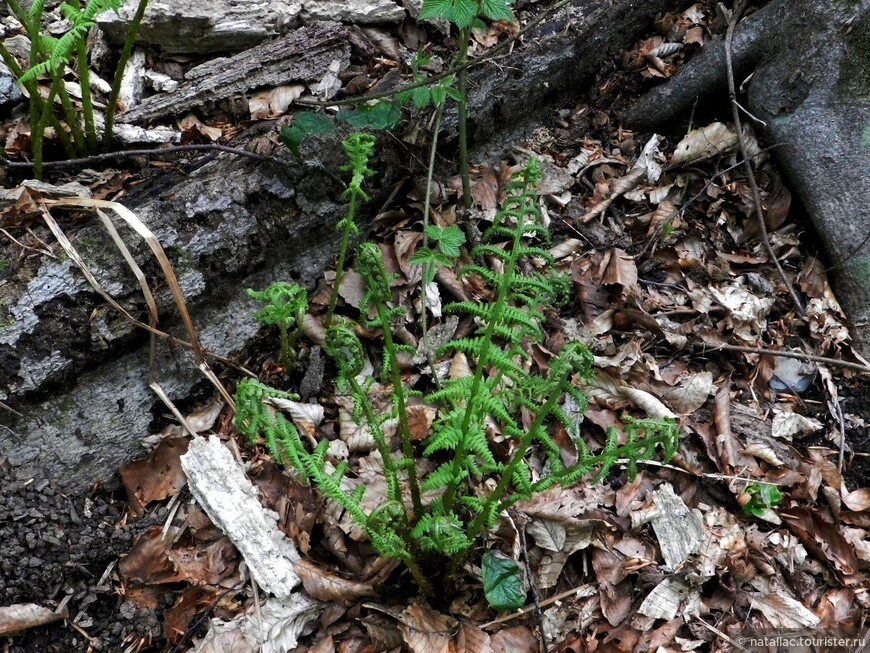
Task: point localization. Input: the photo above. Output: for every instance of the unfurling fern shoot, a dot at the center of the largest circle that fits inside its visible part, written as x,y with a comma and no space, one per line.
359,148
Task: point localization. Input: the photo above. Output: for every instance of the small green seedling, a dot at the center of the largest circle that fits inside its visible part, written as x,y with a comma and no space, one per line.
758,498
286,306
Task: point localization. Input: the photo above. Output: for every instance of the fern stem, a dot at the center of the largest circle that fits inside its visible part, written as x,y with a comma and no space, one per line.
342,255
519,454
401,407
430,172
72,121
111,109
87,104
462,111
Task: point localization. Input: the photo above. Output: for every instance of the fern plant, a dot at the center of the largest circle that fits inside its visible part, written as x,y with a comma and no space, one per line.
49,57
458,507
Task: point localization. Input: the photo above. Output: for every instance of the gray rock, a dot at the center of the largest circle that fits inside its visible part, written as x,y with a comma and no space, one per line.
10,91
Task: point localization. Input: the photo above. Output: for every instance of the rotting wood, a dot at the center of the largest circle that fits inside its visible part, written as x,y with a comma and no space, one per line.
302,56
78,374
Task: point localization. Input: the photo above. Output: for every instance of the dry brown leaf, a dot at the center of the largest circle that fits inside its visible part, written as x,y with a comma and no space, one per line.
383,632
786,425
821,538
691,393
518,639
714,139
205,565
857,500
306,417
148,561
326,586
177,618
425,630
157,477
420,418
485,188
471,639
21,616
620,269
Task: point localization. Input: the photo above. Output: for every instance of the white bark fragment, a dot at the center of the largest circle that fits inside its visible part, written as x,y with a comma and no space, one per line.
678,530
220,486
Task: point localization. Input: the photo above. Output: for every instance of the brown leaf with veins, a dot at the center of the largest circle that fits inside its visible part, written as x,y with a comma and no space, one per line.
148,561
326,586
425,630
471,639
518,639
157,477
206,565
821,538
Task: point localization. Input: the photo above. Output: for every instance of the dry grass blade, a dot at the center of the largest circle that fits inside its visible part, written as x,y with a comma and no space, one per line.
166,267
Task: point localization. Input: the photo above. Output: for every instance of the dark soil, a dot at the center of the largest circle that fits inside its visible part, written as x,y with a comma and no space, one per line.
54,546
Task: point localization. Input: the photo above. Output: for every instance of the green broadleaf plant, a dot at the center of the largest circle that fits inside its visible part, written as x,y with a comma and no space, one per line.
502,582
470,485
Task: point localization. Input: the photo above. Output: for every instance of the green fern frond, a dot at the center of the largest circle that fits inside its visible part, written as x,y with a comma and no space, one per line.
444,534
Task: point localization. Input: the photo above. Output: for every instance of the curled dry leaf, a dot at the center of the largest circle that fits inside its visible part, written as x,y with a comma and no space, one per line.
21,616
326,586
306,417
787,424
712,140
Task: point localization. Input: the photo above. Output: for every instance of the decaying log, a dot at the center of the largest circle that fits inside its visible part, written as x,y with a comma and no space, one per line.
302,56
78,374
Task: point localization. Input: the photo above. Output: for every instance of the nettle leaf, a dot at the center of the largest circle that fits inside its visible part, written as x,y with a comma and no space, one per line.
421,97
496,10
502,582
303,125
459,12
449,239
378,116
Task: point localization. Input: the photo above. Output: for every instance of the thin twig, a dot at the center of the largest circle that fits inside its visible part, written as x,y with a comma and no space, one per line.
154,153
784,354
579,592
521,520
756,194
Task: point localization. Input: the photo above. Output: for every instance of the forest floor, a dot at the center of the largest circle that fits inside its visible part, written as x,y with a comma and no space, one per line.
665,270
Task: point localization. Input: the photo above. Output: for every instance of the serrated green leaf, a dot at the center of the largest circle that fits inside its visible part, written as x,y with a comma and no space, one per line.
502,582
382,115
496,10
449,239
421,97
303,125
459,12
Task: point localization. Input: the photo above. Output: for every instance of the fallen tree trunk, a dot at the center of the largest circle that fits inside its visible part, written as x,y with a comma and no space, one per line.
811,63
77,375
